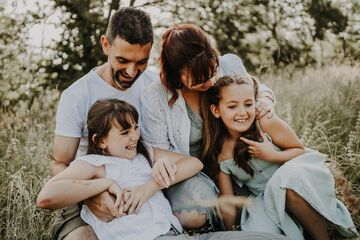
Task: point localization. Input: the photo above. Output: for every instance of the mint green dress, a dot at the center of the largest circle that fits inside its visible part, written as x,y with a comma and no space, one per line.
307,175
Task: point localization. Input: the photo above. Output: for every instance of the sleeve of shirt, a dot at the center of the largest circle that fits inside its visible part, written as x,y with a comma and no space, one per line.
154,128
68,117
224,168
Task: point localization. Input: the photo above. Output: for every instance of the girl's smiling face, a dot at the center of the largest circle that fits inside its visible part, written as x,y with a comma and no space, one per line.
121,142
236,108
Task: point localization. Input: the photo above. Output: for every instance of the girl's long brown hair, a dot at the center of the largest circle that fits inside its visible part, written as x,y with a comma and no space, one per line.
185,46
103,115
215,131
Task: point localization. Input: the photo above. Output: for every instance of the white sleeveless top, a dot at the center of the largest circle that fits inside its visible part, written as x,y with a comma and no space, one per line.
155,218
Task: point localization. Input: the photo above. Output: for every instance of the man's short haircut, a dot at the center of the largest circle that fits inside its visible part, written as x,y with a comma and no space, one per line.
132,25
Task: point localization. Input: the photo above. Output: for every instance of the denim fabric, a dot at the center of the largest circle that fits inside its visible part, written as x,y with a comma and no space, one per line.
189,194
229,235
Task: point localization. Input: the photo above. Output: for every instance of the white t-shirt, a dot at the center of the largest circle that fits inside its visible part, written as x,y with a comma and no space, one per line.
76,100
155,217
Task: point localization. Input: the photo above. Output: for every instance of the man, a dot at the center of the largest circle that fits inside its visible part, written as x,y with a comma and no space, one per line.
127,43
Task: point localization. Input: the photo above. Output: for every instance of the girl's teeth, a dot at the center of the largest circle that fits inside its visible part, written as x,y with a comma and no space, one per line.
131,147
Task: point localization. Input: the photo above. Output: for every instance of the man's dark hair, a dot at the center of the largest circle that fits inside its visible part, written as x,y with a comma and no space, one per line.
132,25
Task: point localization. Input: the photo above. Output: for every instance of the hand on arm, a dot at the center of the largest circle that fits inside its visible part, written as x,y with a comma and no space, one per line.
163,171
282,136
171,167
102,206
264,106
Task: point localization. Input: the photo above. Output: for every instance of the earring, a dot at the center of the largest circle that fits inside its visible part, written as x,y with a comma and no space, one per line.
179,84
103,151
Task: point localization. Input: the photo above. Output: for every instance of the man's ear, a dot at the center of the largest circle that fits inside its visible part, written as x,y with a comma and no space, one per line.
215,110
105,44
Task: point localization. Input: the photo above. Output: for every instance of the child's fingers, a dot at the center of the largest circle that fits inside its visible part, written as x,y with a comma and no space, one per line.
251,148
121,208
139,206
128,201
248,141
119,196
134,205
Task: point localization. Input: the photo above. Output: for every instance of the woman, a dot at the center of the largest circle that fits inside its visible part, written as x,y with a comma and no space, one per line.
171,116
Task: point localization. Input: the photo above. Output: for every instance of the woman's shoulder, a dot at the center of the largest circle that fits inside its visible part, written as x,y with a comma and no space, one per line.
154,92
231,64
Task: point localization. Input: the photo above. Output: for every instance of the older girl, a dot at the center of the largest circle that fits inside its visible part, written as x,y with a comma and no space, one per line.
288,194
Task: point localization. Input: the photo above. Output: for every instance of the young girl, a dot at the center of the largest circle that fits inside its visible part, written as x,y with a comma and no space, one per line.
117,161
288,195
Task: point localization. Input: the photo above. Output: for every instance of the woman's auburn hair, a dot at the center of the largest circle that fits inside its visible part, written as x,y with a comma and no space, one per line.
185,47
215,131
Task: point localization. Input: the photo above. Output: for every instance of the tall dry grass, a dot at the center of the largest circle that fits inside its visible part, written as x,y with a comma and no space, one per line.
322,105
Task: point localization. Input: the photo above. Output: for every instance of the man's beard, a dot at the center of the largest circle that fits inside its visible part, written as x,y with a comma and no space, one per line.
122,84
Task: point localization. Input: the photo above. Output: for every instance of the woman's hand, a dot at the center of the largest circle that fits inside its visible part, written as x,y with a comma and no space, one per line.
136,197
163,171
262,150
264,107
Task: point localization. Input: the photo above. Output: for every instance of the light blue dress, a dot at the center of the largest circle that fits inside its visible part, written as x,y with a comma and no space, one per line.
307,175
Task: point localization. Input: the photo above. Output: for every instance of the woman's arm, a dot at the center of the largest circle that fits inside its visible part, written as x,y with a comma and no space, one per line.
154,127
72,185
225,187
186,167
282,135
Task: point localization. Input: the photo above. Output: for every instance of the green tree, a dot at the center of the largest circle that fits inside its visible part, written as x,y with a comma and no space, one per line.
20,82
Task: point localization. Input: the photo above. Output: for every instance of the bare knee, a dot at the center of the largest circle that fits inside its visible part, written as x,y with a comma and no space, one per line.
191,220
81,233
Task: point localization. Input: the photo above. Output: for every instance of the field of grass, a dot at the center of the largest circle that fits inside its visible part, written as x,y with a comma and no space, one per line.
322,105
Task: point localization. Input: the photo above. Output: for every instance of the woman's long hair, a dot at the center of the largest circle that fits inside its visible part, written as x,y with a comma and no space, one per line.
186,47
215,131
103,115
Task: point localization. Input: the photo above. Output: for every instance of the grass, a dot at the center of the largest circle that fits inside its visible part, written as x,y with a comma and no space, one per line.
321,104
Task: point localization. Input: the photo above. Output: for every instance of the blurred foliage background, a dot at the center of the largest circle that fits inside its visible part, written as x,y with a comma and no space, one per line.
266,34
307,51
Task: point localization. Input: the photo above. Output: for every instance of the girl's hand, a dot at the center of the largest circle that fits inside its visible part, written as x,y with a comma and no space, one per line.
136,197
264,107
262,150
163,171
115,190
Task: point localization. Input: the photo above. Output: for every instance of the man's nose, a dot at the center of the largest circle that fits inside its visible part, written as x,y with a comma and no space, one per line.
131,70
